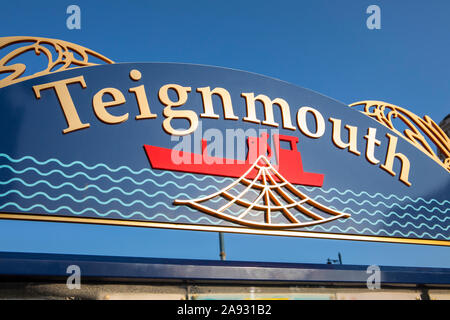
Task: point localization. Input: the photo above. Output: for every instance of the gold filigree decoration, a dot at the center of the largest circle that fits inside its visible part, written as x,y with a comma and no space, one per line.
417,128
64,58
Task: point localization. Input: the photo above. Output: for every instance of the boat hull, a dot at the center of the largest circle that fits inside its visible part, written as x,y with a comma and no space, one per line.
175,160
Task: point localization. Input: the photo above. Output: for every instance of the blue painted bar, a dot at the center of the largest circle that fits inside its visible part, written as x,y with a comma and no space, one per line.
108,268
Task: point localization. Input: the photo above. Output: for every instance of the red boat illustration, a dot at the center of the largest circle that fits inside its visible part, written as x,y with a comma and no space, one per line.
288,161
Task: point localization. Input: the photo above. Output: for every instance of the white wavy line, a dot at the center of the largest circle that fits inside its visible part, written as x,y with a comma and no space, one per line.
66,195
102,165
360,203
372,196
106,213
68,176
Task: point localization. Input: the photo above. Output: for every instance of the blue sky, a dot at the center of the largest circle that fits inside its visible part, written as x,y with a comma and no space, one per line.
321,45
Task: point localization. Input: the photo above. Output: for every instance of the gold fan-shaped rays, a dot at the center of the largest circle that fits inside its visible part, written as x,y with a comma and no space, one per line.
276,196
64,58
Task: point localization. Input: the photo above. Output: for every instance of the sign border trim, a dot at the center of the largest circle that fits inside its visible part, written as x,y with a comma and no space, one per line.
239,230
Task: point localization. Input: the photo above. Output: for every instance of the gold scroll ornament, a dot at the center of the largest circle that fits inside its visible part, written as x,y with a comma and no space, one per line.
61,59
417,129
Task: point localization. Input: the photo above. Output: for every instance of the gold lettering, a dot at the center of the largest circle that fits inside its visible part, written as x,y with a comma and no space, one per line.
100,106
65,101
170,114
141,97
303,126
352,143
208,104
372,141
135,75
391,155
268,110
142,101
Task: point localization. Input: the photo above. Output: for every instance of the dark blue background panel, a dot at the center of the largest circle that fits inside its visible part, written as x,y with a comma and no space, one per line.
102,174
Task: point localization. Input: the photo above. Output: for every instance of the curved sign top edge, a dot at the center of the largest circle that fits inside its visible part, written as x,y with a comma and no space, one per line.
149,144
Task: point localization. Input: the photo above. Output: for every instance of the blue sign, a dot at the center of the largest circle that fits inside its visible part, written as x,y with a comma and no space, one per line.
197,147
